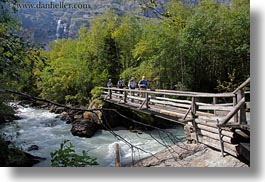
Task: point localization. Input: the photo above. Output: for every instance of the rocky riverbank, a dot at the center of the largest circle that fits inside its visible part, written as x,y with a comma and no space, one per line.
190,155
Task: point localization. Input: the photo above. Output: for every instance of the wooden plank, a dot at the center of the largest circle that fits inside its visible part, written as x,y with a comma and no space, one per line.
242,85
200,113
242,134
221,95
238,126
208,123
169,103
228,148
211,124
191,94
215,130
135,98
116,94
173,100
215,136
173,113
207,104
215,107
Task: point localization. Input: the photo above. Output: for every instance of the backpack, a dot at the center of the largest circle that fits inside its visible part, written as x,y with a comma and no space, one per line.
132,84
120,84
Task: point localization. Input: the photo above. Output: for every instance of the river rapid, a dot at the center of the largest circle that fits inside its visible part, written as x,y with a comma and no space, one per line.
42,128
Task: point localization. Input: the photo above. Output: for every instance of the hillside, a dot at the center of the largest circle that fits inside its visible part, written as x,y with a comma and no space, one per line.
42,25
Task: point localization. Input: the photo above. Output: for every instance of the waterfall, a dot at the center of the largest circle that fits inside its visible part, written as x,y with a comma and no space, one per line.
59,24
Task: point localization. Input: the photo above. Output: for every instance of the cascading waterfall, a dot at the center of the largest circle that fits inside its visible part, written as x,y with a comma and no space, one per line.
42,128
59,25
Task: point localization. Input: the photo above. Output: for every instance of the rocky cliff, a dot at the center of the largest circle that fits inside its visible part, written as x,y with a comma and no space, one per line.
46,23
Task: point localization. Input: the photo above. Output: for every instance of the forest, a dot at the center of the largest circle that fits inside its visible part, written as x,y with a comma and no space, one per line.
204,47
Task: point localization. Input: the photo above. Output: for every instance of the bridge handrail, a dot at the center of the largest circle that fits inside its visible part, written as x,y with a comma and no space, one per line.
242,85
238,100
225,120
185,94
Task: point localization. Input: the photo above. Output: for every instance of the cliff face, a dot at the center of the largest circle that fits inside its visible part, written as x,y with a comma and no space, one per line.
42,25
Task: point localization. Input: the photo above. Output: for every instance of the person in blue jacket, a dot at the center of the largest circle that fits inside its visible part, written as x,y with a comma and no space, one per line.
142,84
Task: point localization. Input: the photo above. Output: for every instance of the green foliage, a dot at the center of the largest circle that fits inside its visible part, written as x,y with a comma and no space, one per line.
66,157
96,92
190,47
227,86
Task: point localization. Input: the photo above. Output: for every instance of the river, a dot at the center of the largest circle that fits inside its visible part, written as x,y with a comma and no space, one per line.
42,128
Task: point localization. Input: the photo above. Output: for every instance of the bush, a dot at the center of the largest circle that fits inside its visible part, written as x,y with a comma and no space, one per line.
66,157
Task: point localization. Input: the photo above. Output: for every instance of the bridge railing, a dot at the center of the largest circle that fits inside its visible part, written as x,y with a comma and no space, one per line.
205,106
198,103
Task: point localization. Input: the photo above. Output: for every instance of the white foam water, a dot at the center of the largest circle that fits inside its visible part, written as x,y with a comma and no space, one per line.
42,128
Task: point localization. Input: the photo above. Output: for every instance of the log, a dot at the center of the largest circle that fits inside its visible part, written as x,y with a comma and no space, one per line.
117,156
173,100
172,113
208,123
228,148
169,103
135,98
242,85
216,107
215,130
215,136
212,124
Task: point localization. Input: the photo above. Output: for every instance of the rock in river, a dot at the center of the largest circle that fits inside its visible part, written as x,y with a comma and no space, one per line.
84,128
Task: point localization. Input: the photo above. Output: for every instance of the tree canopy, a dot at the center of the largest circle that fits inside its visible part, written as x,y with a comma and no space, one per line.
194,47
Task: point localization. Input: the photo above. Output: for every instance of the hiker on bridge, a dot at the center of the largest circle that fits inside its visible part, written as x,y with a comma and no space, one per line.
120,83
143,84
132,83
109,84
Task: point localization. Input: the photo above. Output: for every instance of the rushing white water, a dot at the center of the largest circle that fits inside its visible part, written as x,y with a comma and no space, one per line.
42,128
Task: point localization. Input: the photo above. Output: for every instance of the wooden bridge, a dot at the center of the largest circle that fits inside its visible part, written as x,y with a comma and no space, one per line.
219,120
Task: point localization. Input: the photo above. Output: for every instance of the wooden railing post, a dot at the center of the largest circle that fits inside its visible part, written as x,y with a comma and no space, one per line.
193,112
125,96
193,105
242,115
234,104
146,100
214,102
110,93
117,155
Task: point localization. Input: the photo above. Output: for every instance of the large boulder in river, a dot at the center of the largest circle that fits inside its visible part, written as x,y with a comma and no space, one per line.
94,116
84,128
